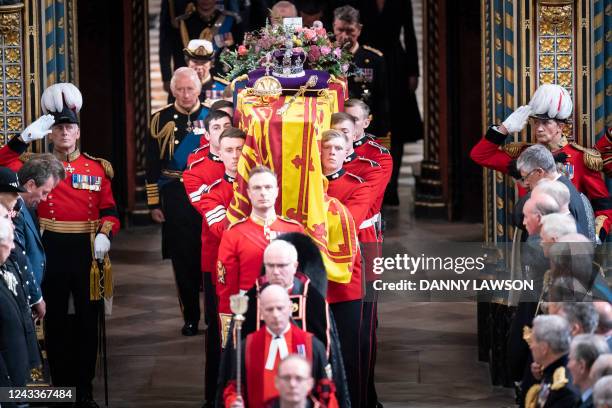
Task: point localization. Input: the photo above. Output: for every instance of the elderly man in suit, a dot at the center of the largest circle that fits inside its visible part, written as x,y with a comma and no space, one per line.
38,177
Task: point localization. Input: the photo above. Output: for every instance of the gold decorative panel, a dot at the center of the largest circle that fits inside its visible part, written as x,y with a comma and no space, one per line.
11,63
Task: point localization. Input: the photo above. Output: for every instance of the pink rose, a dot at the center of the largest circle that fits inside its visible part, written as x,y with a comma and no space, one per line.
337,52
298,49
299,29
325,50
321,32
242,50
309,34
314,53
345,68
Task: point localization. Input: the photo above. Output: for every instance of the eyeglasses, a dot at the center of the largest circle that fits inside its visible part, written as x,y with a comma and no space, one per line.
524,178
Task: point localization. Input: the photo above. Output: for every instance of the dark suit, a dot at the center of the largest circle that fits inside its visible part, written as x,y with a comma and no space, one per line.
28,243
18,347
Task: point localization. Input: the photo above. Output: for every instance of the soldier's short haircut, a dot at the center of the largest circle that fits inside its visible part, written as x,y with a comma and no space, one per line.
558,225
581,313
534,157
348,14
259,170
215,115
188,73
331,134
358,103
39,168
232,132
556,189
552,330
602,392
285,247
340,117
588,347
220,104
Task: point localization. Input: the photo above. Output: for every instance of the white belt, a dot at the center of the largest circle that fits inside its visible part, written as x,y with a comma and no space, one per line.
370,222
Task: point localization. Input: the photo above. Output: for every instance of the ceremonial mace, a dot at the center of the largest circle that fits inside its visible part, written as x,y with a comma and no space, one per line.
102,318
239,304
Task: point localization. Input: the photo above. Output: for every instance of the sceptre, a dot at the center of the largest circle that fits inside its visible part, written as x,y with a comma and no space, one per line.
239,304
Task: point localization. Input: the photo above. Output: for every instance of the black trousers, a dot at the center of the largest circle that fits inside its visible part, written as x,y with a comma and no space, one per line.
368,346
397,152
182,243
212,339
348,322
71,339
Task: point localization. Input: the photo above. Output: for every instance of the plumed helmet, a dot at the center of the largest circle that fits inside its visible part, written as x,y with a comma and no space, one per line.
61,96
551,101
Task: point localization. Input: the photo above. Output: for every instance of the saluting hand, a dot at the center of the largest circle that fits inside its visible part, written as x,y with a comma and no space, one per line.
38,129
517,120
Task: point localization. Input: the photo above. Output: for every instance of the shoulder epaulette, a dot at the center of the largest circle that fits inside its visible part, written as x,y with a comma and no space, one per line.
371,162
356,177
162,109
374,50
240,221
197,149
222,80
380,147
211,185
592,158
515,149
106,165
291,220
559,379
26,156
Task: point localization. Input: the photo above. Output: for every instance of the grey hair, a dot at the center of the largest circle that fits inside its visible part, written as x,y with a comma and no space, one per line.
554,331
534,157
558,225
602,392
545,204
283,246
39,168
347,13
188,73
582,313
6,230
555,189
587,347
285,4
601,367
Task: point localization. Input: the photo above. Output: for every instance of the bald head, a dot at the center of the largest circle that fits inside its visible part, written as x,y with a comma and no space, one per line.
556,190
275,308
604,310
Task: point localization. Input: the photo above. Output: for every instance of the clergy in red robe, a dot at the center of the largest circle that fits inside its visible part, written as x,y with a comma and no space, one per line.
264,349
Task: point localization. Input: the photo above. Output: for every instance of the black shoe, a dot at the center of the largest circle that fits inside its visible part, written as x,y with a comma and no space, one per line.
391,200
189,329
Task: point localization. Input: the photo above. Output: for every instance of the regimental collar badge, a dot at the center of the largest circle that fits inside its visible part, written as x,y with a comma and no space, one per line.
214,157
350,157
228,178
336,175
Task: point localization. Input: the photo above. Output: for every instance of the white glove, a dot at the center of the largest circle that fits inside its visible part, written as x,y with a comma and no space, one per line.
54,96
38,129
101,246
518,119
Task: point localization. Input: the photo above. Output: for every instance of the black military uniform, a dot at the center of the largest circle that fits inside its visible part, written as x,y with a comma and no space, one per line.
554,389
174,134
223,28
370,85
170,45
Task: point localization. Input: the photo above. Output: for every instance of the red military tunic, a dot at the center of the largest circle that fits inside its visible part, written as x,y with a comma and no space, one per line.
241,257
356,195
604,145
579,163
85,196
198,153
368,148
213,204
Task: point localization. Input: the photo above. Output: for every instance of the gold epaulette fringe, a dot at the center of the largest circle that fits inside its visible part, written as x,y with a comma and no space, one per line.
514,149
26,156
165,136
592,158
106,165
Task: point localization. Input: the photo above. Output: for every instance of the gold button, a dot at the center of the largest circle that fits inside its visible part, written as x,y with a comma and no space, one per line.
87,171
50,195
50,204
175,129
86,164
175,116
176,142
90,205
367,60
53,219
51,211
